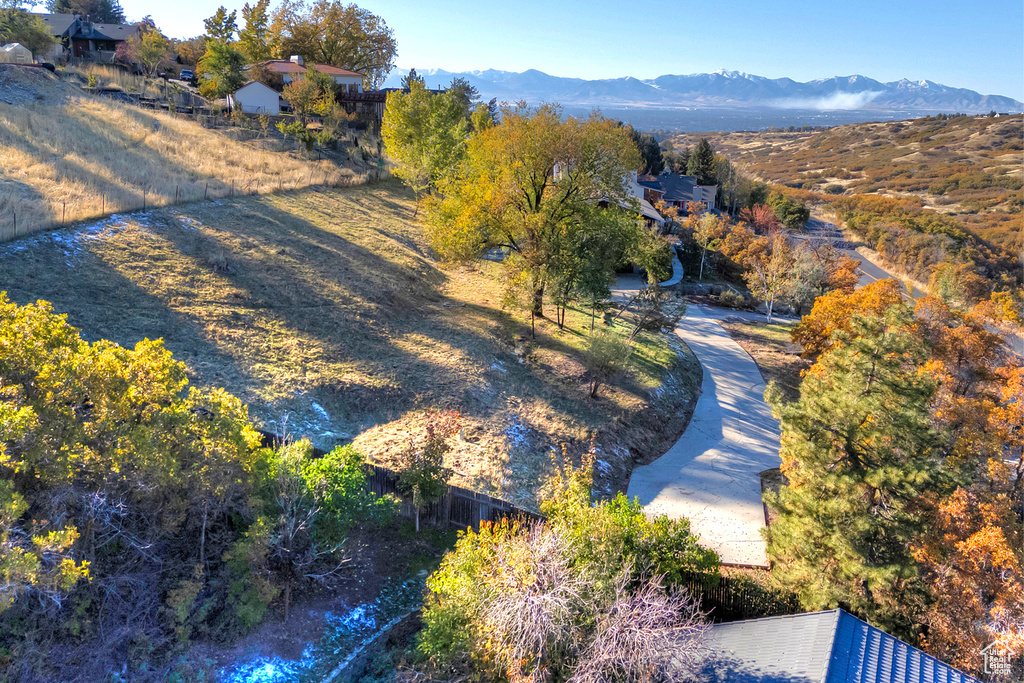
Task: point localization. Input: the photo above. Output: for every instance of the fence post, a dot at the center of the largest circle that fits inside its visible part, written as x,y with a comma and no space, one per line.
15,222
175,194
103,206
232,188
206,190
63,213
144,199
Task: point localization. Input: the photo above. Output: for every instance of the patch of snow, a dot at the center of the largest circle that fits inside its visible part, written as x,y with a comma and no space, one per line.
321,411
69,241
499,366
357,618
517,434
602,466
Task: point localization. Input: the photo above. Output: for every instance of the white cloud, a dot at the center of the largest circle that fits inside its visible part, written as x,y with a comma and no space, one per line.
837,100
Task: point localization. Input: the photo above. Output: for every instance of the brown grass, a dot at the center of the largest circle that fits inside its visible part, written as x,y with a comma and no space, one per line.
69,156
968,167
325,312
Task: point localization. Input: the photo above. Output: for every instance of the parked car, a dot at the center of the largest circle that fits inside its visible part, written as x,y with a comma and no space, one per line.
187,75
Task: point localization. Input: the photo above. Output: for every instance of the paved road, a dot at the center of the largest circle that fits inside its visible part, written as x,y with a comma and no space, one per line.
818,229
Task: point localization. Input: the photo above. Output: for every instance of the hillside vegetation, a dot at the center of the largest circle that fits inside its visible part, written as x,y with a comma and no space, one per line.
960,176
71,156
325,313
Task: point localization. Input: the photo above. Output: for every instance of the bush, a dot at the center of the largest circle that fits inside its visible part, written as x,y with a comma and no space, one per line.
834,188
731,299
574,597
605,357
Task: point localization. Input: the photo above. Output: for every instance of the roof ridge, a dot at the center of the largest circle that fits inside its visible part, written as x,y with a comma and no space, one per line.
838,611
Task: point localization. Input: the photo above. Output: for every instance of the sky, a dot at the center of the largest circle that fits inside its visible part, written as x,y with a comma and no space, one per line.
970,45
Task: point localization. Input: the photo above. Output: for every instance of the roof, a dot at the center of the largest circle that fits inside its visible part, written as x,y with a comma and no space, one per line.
58,23
820,647
256,83
677,188
284,66
107,31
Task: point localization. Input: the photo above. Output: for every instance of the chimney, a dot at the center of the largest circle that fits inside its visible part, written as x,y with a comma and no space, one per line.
297,59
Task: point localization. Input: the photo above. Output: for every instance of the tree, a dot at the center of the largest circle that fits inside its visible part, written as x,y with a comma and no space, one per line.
423,477
792,214
466,93
253,39
311,94
192,50
858,452
103,11
706,230
969,561
762,217
605,358
833,312
410,78
222,26
527,183
817,271
330,32
221,69
425,134
18,26
651,160
769,271
701,163
149,48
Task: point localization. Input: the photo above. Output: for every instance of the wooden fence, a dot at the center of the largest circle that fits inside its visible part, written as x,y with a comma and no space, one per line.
733,598
459,508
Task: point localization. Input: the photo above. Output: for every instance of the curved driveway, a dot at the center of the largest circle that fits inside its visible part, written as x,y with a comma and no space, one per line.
711,474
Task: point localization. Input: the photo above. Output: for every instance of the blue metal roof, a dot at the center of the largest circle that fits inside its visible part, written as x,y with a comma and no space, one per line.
819,647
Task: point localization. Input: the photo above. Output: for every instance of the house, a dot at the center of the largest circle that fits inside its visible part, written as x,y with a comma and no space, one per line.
256,98
98,42
819,647
15,53
83,39
295,68
677,190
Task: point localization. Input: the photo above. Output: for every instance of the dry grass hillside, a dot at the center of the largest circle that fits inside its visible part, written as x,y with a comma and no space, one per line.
325,312
968,167
68,156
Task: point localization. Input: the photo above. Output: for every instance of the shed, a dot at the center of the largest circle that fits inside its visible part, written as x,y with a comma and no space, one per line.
15,53
256,98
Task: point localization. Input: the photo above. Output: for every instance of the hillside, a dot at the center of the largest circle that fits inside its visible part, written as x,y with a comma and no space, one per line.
71,156
970,169
324,311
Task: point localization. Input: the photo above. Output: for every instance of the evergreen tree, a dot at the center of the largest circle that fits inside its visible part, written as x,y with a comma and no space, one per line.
253,39
702,163
858,451
103,11
410,78
222,25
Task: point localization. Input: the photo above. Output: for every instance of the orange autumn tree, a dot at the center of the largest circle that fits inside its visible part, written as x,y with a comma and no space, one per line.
833,312
974,575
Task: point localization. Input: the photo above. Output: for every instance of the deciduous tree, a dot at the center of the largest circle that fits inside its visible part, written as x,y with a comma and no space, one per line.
253,38
331,32
833,312
222,25
769,271
527,182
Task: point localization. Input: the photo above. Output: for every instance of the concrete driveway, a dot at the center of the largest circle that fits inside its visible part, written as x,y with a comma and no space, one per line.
711,475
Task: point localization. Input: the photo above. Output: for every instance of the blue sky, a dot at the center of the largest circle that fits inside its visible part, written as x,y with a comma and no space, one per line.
973,45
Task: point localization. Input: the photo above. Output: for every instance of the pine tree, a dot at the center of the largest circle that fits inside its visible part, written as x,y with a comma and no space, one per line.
702,163
858,451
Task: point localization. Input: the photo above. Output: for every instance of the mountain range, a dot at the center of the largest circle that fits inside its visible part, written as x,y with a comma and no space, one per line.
723,89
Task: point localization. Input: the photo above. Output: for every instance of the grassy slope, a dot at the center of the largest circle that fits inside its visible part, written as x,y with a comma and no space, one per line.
771,348
71,156
970,167
324,311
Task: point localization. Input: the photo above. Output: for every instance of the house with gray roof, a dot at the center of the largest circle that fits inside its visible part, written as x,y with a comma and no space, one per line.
677,190
83,39
819,647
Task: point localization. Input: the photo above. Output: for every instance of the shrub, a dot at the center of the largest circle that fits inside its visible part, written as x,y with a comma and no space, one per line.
731,299
834,188
423,477
605,357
